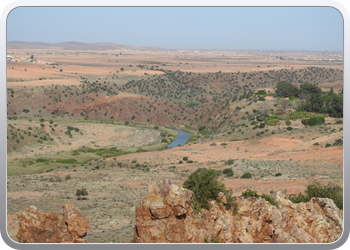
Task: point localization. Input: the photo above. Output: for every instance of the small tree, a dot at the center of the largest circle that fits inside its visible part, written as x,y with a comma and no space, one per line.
81,192
205,187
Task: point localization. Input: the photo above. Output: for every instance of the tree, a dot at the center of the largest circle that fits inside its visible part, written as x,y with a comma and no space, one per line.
313,96
286,89
205,187
335,106
122,69
283,105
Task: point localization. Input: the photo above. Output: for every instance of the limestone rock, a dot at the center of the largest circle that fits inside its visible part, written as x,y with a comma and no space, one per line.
52,227
166,215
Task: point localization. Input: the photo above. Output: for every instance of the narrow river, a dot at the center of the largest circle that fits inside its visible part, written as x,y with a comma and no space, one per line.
181,139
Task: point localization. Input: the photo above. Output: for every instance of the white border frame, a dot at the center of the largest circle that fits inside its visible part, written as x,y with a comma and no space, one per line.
224,3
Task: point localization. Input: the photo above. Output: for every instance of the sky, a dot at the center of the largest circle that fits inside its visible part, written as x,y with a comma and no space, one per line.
230,28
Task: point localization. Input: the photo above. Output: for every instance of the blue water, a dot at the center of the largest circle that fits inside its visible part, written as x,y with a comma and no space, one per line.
181,139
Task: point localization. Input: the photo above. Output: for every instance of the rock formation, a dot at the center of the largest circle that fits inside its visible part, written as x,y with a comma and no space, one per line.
166,215
52,227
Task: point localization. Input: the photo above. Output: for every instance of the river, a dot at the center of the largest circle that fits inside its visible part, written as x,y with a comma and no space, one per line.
181,139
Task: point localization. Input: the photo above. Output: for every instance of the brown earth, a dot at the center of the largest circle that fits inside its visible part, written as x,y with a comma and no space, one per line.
116,185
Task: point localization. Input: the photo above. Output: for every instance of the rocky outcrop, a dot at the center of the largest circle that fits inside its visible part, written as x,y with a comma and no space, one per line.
52,227
166,215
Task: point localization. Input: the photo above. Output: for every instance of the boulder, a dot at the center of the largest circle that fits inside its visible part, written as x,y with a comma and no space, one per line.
52,227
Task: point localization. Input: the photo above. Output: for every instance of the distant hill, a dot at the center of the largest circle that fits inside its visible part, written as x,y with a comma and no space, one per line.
73,46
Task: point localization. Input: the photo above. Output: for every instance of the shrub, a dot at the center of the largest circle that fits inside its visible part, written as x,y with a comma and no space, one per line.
156,127
229,162
298,198
201,128
250,193
289,128
316,144
81,192
246,176
328,145
205,187
288,122
313,121
262,125
338,142
41,160
126,123
67,177
66,161
339,122
165,140
185,158
278,174
331,191
268,198
317,190
228,172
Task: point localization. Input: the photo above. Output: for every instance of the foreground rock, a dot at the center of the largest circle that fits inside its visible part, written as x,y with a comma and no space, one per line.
166,215
51,227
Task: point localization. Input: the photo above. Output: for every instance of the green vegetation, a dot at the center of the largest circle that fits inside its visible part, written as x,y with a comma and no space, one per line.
228,172
286,89
251,193
205,187
313,120
317,190
246,176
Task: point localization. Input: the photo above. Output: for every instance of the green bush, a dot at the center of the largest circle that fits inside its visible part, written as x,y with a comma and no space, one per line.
41,160
250,193
66,161
317,190
288,122
271,122
268,198
205,187
338,142
278,174
298,198
246,176
262,125
164,140
228,172
229,162
331,191
313,121
289,128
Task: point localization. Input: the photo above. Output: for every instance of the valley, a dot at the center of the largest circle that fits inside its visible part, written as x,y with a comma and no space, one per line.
103,119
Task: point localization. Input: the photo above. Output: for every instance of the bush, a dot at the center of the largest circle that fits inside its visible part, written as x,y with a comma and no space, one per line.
246,176
164,140
229,162
338,142
278,174
289,128
205,187
268,198
41,160
228,172
250,193
331,191
81,192
262,125
339,122
298,198
317,190
313,121
288,122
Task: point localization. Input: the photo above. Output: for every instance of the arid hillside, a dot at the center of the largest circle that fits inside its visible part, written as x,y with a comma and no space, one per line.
101,120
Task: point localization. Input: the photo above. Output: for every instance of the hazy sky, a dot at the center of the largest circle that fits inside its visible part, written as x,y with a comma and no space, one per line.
241,28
